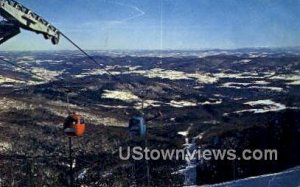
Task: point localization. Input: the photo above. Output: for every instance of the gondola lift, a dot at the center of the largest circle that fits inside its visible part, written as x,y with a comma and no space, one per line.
74,125
137,126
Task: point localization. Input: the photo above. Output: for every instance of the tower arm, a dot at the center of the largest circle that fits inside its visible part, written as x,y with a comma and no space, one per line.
22,17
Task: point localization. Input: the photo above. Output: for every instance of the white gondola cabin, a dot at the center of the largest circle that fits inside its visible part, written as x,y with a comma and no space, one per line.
137,126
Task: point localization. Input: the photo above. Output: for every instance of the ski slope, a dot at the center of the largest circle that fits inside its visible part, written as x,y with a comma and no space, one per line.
287,178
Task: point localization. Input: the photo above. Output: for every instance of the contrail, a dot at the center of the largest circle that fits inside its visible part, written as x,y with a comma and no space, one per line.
138,10
140,13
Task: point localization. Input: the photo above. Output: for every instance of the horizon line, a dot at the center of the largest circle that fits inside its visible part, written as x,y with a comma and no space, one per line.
183,49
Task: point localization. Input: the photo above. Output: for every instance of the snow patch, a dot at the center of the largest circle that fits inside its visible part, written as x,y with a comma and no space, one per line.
262,82
97,72
119,95
147,103
176,75
297,82
289,77
257,85
244,75
183,133
181,104
268,106
82,174
9,80
272,88
5,146
46,74
211,102
243,61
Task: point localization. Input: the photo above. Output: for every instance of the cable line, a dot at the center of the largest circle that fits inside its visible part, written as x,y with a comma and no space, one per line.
103,67
23,68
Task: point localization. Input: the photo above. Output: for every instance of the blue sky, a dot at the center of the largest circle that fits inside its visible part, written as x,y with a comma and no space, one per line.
165,24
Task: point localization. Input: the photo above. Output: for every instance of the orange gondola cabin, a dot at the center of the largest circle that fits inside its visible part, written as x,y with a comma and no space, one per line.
74,125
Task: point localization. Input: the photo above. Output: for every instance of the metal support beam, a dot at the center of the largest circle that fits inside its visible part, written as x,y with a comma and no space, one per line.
7,31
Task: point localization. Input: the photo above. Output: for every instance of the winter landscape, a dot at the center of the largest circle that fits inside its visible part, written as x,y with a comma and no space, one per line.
247,98
156,93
